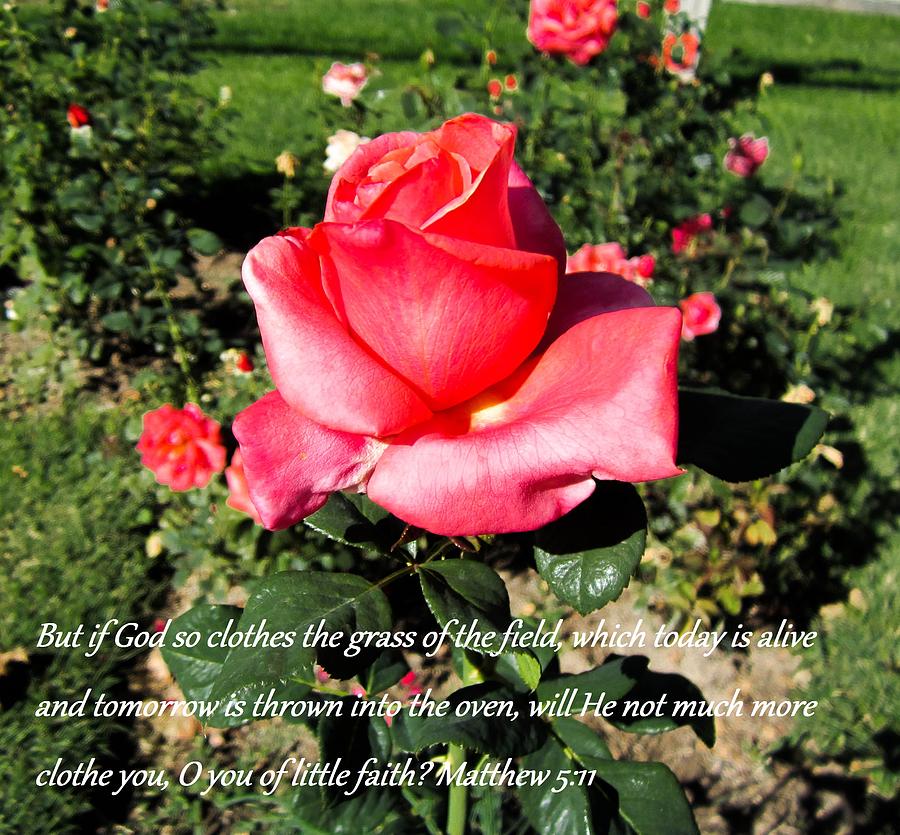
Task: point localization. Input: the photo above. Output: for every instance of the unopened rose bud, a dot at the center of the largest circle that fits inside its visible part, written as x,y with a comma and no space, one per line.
153,547
70,33
150,204
286,163
494,88
511,83
490,57
766,80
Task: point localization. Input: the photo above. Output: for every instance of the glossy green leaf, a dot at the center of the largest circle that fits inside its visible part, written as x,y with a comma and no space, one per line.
294,601
744,438
354,519
510,734
589,555
581,740
566,812
196,668
614,679
467,591
649,796
677,689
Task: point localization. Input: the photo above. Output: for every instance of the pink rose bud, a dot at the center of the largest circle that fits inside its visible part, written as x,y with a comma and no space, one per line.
701,315
238,491
646,266
746,155
345,81
182,447
358,691
77,116
321,675
579,30
689,230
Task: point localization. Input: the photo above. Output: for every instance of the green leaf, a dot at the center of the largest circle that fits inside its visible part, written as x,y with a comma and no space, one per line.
354,519
615,678
196,668
384,672
581,740
744,438
510,734
755,211
589,555
566,812
118,321
204,242
346,737
649,796
651,687
468,591
293,601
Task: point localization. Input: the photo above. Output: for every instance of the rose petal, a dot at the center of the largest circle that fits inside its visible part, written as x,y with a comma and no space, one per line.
534,228
601,402
292,464
581,296
315,363
449,316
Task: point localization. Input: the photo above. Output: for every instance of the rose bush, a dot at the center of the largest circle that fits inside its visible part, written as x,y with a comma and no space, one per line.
427,347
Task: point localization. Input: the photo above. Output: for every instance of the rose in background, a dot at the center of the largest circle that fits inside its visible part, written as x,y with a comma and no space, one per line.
611,258
340,146
470,387
746,155
182,447
345,81
688,231
578,29
701,315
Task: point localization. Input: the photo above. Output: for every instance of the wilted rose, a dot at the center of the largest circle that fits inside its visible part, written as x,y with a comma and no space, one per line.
701,315
426,347
345,81
578,29
746,155
182,447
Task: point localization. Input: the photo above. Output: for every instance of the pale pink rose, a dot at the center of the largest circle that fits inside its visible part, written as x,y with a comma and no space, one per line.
746,155
345,81
340,148
701,315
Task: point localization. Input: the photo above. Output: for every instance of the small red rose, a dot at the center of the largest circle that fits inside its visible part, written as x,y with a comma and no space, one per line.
77,116
701,315
672,6
680,51
689,230
243,363
643,10
611,258
494,88
182,447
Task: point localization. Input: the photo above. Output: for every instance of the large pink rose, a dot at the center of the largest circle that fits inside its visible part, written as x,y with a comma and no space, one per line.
578,29
426,347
